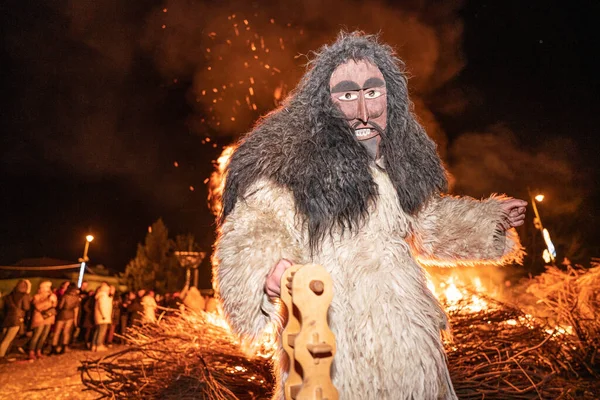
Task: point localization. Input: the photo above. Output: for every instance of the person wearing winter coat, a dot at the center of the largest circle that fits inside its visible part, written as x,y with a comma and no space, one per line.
193,300
44,315
16,305
126,300
175,303
135,309
102,316
150,307
68,310
88,304
116,315
212,305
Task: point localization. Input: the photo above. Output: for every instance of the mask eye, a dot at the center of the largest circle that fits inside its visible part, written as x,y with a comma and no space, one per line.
372,94
348,96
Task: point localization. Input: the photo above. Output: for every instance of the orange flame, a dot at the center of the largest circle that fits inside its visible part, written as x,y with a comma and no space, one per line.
462,288
217,181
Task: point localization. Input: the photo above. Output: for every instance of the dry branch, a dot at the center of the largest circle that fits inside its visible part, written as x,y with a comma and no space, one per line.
182,357
545,351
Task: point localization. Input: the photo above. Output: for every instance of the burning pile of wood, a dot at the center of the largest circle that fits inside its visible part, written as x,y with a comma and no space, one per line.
503,353
546,349
185,356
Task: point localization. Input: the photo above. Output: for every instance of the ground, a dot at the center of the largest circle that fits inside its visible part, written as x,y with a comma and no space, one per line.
52,377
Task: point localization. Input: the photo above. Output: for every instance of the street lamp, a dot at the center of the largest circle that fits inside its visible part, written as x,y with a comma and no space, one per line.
550,252
84,259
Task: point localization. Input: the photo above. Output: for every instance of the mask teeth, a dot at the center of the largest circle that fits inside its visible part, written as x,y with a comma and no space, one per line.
363,132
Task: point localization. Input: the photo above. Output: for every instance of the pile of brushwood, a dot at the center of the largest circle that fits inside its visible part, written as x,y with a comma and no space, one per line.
545,350
183,356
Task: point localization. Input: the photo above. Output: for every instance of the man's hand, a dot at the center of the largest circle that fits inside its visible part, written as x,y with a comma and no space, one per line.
514,211
273,283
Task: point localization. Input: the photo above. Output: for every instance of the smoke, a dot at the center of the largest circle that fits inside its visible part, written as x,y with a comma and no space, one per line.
242,58
92,109
96,74
496,161
111,89
95,77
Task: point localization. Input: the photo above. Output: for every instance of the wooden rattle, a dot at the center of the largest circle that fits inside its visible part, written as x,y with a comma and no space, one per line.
307,291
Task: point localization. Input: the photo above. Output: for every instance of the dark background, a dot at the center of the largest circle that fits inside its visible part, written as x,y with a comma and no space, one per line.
99,101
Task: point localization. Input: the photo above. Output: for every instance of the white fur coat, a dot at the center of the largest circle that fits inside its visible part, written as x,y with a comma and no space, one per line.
386,321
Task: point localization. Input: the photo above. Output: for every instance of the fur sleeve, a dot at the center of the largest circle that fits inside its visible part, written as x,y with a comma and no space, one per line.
252,239
452,231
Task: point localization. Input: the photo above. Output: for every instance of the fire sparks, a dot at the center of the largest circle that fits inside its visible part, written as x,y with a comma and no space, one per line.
256,46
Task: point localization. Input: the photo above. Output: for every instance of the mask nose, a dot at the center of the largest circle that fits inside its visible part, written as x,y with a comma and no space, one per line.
362,112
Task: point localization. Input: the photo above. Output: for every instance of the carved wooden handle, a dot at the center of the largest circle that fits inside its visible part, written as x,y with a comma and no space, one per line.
307,339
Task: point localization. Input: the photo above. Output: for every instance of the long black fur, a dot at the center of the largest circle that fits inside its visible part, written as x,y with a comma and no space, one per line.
308,147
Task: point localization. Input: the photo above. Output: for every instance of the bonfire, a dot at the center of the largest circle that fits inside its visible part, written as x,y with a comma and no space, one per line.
545,348
537,340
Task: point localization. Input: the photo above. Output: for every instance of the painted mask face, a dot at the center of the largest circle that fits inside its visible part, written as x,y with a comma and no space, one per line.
358,89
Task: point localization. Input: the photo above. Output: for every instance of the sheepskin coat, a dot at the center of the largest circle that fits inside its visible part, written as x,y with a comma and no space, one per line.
103,306
43,300
300,186
386,321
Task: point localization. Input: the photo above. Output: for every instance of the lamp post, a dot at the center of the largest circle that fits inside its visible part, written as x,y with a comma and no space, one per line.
83,260
550,251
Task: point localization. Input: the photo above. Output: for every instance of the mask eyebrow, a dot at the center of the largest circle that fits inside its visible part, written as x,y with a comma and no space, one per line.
345,86
373,82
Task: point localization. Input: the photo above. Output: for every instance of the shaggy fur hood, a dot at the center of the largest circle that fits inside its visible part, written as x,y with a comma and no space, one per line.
308,147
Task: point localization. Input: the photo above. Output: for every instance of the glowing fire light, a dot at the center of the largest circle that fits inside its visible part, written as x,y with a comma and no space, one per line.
460,290
216,182
265,347
452,293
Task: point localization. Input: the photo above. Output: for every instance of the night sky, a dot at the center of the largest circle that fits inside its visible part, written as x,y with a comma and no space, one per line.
101,99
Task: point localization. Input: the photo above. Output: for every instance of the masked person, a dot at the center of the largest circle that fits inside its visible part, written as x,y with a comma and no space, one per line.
343,175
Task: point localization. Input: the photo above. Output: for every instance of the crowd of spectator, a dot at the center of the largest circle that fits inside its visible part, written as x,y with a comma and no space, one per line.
51,321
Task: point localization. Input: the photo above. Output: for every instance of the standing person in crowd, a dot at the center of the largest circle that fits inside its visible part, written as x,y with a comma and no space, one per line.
88,306
175,302
212,305
44,314
16,305
126,299
192,299
102,316
83,296
115,315
68,313
165,300
150,307
136,309
60,292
